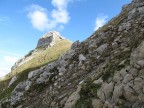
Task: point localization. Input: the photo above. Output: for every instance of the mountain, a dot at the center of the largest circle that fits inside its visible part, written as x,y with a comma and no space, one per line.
104,71
49,48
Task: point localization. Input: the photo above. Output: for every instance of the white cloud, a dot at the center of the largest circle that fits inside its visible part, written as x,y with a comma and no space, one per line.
100,21
38,18
42,20
60,4
10,59
6,62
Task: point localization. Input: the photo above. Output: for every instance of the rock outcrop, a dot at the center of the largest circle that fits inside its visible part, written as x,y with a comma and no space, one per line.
104,71
49,39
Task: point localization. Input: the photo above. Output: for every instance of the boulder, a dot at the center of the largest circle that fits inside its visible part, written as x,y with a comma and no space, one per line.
117,77
82,57
23,86
33,74
73,98
130,94
12,81
101,48
138,84
137,54
98,82
96,103
118,91
127,78
15,97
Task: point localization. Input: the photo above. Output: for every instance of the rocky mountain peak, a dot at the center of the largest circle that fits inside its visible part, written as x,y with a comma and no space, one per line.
49,39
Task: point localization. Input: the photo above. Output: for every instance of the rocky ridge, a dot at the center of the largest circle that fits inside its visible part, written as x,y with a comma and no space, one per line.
104,71
45,42
49,39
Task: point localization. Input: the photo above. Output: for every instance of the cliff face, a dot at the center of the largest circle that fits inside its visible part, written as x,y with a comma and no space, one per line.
104,71
49,39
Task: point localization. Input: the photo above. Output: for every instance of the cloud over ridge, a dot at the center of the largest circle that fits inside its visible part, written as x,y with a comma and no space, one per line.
56,18
100,21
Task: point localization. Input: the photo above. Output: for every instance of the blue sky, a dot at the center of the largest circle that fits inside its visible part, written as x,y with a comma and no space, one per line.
23,22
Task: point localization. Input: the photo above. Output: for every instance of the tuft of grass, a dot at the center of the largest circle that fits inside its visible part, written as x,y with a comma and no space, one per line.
88,91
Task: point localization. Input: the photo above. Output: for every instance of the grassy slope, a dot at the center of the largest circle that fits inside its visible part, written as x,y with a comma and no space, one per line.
40,59
45,56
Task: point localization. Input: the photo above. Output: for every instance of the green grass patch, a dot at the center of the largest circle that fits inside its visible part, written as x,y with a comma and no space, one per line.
88,91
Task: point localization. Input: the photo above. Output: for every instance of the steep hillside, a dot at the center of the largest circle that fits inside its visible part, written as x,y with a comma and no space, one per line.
104,71
49,48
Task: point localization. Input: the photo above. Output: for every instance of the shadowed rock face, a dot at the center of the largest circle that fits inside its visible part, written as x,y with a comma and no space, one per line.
49,39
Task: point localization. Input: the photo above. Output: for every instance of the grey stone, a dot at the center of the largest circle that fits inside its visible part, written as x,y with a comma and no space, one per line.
33,74
127,78
114,45
45,74
141,63
134,71
118,91
101,48
141,97
138,84
15,97
101,95
137,54
12,81
82,57
96,103
117,77
23,86
108,89
141,72
73,98
99,81
49,39
123,72
40,80
130,94
141,10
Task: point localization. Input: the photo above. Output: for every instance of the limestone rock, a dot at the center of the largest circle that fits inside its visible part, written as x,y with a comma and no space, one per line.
130,93
74,97
12,81
82,57
49,39
97,103
137,54
98,82
23,86
32,74
118,91
117,77
101,48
